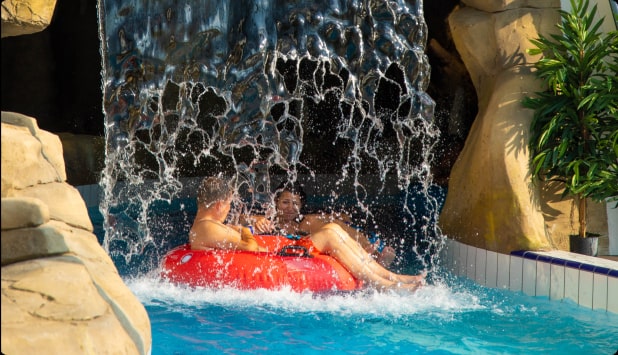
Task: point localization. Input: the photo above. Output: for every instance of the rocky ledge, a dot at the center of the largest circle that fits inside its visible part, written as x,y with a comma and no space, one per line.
61,293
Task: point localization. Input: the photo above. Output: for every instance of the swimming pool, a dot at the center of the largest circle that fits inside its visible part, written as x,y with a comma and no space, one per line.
453,317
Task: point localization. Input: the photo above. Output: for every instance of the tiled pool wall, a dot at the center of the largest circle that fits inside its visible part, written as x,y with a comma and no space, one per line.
588,281
558,275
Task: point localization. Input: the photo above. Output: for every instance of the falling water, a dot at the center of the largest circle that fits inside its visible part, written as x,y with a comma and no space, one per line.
327,92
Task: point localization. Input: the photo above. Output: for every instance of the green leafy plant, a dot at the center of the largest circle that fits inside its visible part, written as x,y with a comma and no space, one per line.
574,130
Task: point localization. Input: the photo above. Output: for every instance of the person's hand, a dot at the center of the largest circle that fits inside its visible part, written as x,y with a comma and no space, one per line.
247,237
263,225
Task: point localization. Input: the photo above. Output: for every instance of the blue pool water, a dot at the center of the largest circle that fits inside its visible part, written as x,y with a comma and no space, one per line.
455,317
451,316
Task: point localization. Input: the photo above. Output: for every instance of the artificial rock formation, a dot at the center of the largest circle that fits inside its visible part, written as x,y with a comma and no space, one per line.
61,293
21,17
491,202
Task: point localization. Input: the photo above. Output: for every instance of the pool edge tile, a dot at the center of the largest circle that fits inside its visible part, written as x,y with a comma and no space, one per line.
454,264
504,264
491,269
586,288
557,282
516,273
471,263
588,281
529,278
543,275
612,294
481,267
463,259
571,284
599,291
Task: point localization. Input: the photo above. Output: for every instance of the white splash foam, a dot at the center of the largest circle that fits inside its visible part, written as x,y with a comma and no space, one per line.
433,298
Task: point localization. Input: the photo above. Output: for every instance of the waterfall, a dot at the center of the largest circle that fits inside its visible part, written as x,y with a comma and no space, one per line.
331,93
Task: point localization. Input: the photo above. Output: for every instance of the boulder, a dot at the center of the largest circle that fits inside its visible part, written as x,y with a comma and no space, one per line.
31,243
22,212
51,305
22,17
61,293
32,156
491,201
501,5
63,200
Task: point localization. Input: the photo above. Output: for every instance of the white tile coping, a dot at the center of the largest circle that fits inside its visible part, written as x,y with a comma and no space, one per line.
588,281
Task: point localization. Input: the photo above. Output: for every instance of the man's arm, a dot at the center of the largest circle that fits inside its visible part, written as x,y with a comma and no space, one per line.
260,224
219,236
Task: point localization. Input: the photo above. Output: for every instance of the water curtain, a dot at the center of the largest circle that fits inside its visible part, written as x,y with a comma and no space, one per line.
331,93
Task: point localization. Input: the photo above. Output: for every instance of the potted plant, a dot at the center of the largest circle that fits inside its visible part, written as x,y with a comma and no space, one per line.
574,130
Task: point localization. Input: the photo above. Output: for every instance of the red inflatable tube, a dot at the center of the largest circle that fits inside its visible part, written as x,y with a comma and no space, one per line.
287,263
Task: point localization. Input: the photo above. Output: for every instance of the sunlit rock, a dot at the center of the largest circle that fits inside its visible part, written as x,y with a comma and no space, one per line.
501,5
491,201
22,17
60,291
21,212
64,201
31,243
29,156
52,306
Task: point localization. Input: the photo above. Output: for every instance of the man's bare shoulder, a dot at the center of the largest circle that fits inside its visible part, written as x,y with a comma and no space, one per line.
205,229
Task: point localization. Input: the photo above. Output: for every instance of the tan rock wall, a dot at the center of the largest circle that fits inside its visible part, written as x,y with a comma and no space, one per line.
61,293
501,5
20,17
491,202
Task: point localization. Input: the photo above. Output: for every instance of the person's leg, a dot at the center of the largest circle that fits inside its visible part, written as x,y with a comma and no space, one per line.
384,257
333,240
387,256
376,267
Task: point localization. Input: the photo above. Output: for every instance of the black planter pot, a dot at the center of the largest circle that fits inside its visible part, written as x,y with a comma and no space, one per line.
586,246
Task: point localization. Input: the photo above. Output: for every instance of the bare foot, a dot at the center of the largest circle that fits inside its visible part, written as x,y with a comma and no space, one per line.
413,279
403,286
